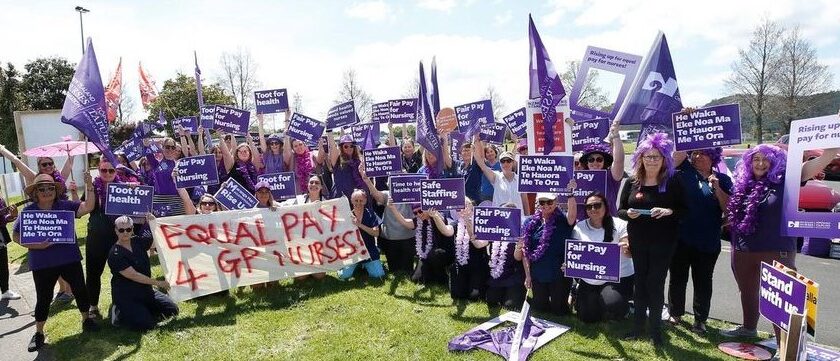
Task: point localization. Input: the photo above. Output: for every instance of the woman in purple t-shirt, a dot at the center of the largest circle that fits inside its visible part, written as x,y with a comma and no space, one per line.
609,158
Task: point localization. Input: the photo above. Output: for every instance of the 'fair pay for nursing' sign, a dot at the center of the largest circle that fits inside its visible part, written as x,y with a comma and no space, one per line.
593,260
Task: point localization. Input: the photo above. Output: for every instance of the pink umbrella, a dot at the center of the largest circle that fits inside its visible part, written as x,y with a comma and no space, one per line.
65,148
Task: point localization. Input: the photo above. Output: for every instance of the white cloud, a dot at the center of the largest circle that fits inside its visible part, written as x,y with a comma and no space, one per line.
503,19
440,5
373,11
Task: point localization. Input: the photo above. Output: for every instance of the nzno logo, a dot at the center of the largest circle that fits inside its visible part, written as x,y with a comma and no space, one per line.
657,83
793,224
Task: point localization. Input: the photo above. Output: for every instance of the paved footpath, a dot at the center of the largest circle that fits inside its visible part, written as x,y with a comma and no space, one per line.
17,321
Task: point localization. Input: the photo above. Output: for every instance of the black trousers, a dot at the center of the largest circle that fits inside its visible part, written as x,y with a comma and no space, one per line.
702,267
143,313
651,261
433,268
552,297
399,254
45,280
96,257
471,276
609,301
510,297
4,268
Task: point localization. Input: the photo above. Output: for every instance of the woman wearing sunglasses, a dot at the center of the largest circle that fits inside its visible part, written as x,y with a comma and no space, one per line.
276,154
600,300
46,165
610,158
206,203
135,304
432,244
166,201
49,261
505,182
345,159
651,203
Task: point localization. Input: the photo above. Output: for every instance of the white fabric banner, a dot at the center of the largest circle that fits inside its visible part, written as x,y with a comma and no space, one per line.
204,254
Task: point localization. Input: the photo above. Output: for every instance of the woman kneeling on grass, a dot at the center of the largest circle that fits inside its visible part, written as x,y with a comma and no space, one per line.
368,224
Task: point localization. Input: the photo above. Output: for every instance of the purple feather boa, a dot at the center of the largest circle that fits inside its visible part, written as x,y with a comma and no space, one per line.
537,253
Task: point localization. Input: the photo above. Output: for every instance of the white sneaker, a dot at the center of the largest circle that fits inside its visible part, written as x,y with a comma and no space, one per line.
11,295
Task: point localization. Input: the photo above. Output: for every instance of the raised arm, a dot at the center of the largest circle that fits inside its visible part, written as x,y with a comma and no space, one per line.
68,167
90,197
261,132
408,223
25,171
227,156
256,156
201,147
189,207
377,195
478,155
571,202
445,229
617,168
392,140
333,149
447,157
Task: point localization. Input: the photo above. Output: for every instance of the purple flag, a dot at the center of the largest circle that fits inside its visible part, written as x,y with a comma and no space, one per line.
654,95
84,107
544,84
435,93
427,134
371,138
198,91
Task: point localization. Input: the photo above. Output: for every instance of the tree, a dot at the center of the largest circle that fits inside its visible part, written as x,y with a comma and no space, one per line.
591,95
754,72
800,75
499,108
120,132
10,100
297,103
45,82
412,89
126,106
352,90
239,77
178,98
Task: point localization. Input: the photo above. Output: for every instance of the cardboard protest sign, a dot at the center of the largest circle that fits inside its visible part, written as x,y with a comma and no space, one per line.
445,121
130,200
545,173
207,116
588,181
233,195
781,295
197,171
497,224
51,226
282,185
198,258
516,123
231,120
442,194
493,133
536,135
707,127
599,261
380,112
132,149
341,115
405,188
588,133
610,70
402,111
360,131
381,162
271,101
812,292
473,116
189,124
456,141
814,134
305,129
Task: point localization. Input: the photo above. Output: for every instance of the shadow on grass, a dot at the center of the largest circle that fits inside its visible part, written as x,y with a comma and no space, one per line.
97,346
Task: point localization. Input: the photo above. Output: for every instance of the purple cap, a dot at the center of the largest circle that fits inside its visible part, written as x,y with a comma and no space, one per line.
346,138
262,184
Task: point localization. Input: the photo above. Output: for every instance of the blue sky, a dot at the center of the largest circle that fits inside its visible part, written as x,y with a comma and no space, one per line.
306,45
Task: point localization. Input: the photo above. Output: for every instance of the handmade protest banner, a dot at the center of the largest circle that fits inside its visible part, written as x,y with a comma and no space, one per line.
589,133
207,116
516,122
50,226
305,129
442,194
709,127
380,112
381,162
204,254
598,261
812,292
271,101
545,173
816,136
233,195
497,224
493,133
402,111
781,295
282,185
445,120
588,181
611,71
189,124
196,171
405,188
535,129
360,131
231,120
341,115
130,200
473,116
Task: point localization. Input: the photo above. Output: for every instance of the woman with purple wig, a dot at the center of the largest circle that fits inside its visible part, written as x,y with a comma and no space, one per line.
755,212
651,203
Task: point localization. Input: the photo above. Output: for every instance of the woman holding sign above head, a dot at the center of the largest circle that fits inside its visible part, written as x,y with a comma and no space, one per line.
276,154
651,204
345,166
224,160
468,275
49,261
46,165
610,158
505,182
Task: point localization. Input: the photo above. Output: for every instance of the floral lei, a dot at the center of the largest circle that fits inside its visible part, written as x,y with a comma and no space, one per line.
743,206
498,256
462,245
537,253
423,248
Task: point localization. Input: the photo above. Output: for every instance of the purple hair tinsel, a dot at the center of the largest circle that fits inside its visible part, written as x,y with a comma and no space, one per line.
748,192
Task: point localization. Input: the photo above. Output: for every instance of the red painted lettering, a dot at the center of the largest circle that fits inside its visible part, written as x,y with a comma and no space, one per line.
308,222
170,232
261,232
228,265
290,220
242,231
247,255
330,243
279,257
197,233
333,217
226,230
349,242
317,247
191,278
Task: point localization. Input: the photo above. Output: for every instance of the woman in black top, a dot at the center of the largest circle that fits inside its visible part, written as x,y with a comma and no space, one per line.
650,203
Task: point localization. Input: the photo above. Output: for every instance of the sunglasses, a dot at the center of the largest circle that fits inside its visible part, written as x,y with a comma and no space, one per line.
207,203
47,164
507,160
46,189
170,147
546,202
594,206
125,230
109,171
595,160
418,212
273,143
315,182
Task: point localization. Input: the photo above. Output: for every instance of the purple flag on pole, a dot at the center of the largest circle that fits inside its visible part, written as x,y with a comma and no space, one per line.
654,95
371,138
435,93
84,107
544,84
427,134
198,91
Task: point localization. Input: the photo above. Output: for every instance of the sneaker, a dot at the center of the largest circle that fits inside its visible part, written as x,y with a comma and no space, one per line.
94,312
62,298
10,295
114,315
699,328
36,342
739,331
89,325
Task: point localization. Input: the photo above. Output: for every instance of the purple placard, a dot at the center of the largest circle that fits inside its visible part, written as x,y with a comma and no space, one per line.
231,120
380,162
360,131
125,199
341,115
52,226
710,127
588,181
132,149
271,101
207,117
405,188
516,122
456,140
402,111
305,129
442,194
589,133
781,295
197,171
153,148
473,116
623,64
599,261
497,224
233,195
820,353
282,185
380,112
493,133
810,134
190,124
545,173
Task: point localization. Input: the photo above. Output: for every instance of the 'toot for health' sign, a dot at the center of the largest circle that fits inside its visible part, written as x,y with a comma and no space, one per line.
125,199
